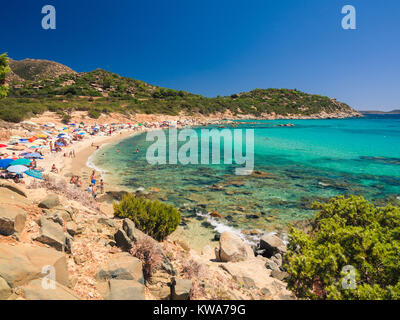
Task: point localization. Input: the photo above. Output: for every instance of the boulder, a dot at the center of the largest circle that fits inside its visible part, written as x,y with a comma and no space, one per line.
35,290
255,274
72,228
270,264
22,263
68,242
5,290
129,227
232,248
51,201
272,245
122,266
126,290
12,219
122,240
181,289
65,214
278,274
55,217
108,222
51,233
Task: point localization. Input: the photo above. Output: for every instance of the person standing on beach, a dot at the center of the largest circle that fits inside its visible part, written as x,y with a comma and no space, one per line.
101,186
78,182
90,189
94,192
93,178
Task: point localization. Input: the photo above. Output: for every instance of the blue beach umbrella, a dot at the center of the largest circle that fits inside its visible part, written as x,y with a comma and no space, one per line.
33,155
4,163
21,162
17,169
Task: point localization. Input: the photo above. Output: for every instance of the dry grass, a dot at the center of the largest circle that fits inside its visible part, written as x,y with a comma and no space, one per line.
150,256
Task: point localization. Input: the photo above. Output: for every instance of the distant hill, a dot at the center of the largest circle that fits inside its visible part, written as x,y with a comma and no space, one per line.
381,112
40,85
32,70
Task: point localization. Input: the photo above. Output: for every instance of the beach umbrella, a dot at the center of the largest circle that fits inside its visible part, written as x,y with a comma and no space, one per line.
34,173
17,169
3,145
4,163
33,155
21,161
15,137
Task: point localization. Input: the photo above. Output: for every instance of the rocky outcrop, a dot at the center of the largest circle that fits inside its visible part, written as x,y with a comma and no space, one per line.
5,290
272,245
160,281
121,278
52,234
72,228
12,219
19,264
35,290
232,248
12,187
122,266
181,289
253,273
51,201
126,290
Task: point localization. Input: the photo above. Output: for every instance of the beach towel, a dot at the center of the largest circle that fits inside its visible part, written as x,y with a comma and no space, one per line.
34,173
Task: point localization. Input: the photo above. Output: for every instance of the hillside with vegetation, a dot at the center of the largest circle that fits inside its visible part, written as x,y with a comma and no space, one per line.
36,86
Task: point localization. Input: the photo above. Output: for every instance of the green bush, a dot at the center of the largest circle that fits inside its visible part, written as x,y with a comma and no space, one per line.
347,232
154,218
93,113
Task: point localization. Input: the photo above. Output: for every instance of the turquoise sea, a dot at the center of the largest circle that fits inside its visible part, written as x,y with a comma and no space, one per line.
314,160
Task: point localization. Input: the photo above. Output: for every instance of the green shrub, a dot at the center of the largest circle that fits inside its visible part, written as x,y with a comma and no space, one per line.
347,232
66,118
154,218
93,113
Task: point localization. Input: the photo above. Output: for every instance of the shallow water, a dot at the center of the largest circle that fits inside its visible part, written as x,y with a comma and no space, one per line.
314,160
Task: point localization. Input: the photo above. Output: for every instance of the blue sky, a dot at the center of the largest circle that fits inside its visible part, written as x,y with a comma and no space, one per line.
221,47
